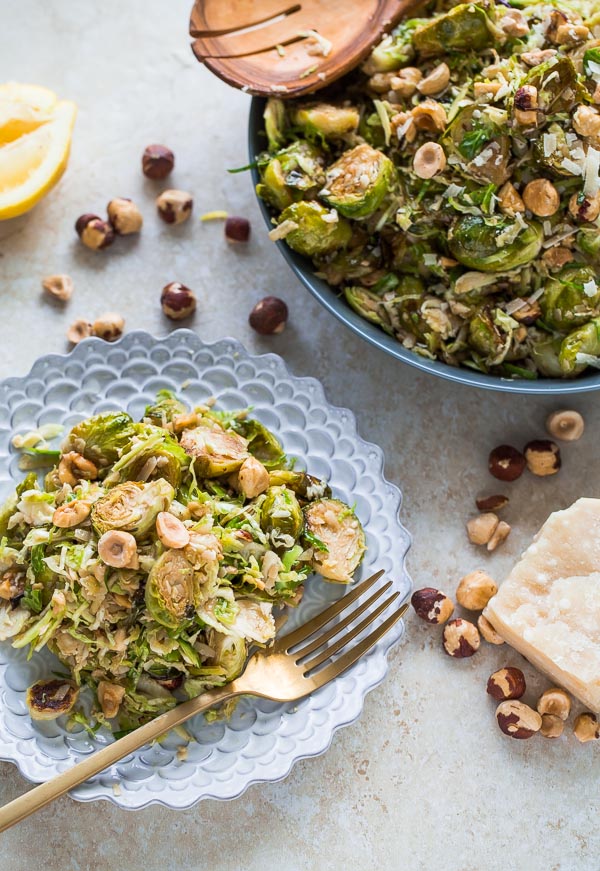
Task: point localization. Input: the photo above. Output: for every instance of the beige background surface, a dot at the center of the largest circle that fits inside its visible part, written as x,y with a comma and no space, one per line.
424,780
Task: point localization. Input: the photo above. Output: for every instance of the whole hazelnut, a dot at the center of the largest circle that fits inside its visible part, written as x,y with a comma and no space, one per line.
480,529
157,161
432,605
79,329
517,719
586,727
492,503
94,232
269,316
174,207
177,301
108,327
500,534
568,426
124,216
461,638
555,701
542,457
487,631
237,229
60,286
506,463
506,683
552,726
475,590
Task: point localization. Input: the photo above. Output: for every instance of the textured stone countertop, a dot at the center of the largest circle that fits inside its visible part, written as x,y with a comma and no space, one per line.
424,780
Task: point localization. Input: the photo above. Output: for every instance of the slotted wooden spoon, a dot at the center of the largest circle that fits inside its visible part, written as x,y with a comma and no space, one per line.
268,47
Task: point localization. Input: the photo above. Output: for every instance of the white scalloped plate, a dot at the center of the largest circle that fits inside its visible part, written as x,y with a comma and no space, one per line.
262,740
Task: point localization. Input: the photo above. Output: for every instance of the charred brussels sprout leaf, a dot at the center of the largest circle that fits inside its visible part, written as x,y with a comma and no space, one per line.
490,336
545,352
336,527
465,28
171,590
215,450
494,244
316,234
357,183
557,85
102,438
262,444
581,348
49,699
588,241
281,515
553,162
132,507
365,303
571,297
325,121
481,143
166,407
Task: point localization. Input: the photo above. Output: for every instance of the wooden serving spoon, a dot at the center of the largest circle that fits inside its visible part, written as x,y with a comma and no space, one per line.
287,48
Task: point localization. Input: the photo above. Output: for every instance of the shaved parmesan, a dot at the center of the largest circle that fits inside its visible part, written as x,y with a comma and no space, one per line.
590,288
591,183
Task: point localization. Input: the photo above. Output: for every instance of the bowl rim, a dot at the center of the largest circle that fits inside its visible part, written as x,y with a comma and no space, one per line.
334,304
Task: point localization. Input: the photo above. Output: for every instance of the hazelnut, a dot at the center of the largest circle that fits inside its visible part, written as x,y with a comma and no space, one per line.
552,726
517,719
586,727
538,56
429,115
94,232
253,478
492,503
157,161
79,329
118,549
555,701
506,463
568,426
506,683
404,82
475,590
177,301
237,229
429,160
461,638
432,605
60,286
584,208
74,467
509,200
526,98
436,82
526,119
528,314
71,513
108,327
487,631
557,257
500,534
542,457
541,198
124,216
480,529
171,531
174,207
269,316
514,23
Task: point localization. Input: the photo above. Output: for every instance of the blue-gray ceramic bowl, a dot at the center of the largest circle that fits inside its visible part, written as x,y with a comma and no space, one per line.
338,307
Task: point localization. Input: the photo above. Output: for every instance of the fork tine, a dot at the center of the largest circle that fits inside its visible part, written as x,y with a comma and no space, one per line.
320,640
343,641
341,665
307,629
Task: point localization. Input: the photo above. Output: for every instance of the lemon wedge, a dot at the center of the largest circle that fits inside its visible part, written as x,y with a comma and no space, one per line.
35,140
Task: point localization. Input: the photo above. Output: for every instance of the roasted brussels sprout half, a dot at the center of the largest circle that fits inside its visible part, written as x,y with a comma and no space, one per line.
491,335
171,590
465,28
357,183
571,297
49,699
215,451
494,244
153,453
293,173
281,515
132,507
552,149
557,84
588,241
322,120
262,443
481,143
545,352
304,485
395,50
580,348
231,652
365,303
101,438
337,538
274,117
166,407
318,231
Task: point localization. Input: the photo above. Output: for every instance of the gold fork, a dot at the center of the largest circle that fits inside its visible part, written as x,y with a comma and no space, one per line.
282,673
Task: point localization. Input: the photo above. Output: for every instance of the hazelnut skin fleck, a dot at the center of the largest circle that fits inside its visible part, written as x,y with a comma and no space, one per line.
157,161
475,590
506,683
555,701
492,503
506,463
432,605
586,727
461,638
177,301
94,232
124,216
568,426
542,457
487,631
517,719
174,207
237,229
269,316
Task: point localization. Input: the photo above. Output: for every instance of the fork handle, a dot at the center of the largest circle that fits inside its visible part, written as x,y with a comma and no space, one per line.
41,795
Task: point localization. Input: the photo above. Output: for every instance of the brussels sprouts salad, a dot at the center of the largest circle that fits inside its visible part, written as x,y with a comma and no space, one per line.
450,188
155,552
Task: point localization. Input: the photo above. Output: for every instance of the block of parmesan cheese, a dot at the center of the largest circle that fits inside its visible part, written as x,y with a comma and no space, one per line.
549,606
